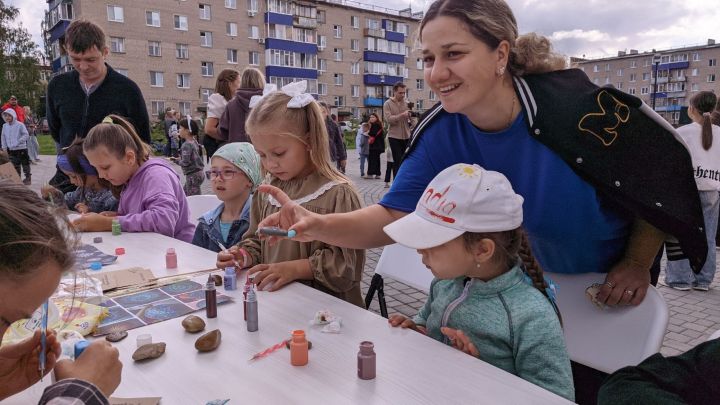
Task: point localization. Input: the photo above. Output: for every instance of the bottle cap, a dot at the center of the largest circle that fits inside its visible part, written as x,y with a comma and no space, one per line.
95,266
144,339
119,251
80,347
229,270
171,251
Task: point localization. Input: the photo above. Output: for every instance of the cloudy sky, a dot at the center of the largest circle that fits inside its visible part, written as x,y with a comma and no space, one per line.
593,28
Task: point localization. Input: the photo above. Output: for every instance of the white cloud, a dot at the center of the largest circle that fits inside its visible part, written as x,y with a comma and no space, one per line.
591,36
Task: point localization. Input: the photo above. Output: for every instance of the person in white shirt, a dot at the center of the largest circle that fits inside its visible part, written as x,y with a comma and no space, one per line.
703,141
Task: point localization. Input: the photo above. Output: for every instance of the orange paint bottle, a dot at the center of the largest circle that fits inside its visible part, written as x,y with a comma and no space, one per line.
298,348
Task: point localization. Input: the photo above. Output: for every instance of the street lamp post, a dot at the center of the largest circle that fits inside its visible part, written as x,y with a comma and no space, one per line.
656,61
382,92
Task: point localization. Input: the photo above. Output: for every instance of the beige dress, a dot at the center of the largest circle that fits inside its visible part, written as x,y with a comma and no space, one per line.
336,271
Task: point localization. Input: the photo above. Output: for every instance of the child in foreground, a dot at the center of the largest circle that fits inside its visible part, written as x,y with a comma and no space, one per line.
467,228
91,194
151,196
288,131
235,175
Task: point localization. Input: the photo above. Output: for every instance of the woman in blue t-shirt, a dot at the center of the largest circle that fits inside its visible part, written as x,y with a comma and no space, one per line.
505,107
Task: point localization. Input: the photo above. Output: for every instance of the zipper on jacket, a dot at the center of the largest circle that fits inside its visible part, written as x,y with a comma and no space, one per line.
454,304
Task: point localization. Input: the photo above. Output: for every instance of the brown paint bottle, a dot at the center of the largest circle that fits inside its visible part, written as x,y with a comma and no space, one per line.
298,348
366,361
210,298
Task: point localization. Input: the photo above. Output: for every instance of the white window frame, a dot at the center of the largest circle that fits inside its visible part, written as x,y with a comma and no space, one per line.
185,107
231,29
204,11
355,68
117,44
338,101
337,30
712,62
182,80
322,89
338,79
206,40
711,78
178,20
254,58
151,14
207,68
158,48
112,13
157,106
419,84
231,4
355,91
252,6
355,21
338,54
254,32
158,78
182,51
355,45
232,56
205,94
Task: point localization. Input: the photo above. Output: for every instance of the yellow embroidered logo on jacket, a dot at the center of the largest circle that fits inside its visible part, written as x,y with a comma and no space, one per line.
603,125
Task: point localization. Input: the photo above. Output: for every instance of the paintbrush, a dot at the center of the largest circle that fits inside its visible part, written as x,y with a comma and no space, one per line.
43,339
237,264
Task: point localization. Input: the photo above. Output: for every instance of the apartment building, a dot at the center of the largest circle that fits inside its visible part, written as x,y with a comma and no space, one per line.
663,79
349,52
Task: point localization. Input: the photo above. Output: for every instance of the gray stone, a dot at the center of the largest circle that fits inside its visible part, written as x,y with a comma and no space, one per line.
209,341
149,351
116,336
193,324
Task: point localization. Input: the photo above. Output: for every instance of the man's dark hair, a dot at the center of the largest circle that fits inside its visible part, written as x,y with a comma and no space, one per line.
82,35
398,85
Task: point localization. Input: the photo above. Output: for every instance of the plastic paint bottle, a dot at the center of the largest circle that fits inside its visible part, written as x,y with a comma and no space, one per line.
171,259
230,279
210,298
366,361
247,287
252,311
298,348
80,347
116,227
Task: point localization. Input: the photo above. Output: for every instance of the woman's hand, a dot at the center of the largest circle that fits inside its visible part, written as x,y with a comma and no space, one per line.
291,216
93,222
99,364
405,323
82,208
272,277
626,284
460,341
19,362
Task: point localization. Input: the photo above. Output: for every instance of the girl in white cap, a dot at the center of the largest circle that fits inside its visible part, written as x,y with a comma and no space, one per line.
467,228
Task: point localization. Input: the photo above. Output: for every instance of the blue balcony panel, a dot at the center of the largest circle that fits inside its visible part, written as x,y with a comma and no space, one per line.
285,45
372,102
372,79
277,18
58,30
659,95
668,108
394,36
283,71
56,65
673,65
374,56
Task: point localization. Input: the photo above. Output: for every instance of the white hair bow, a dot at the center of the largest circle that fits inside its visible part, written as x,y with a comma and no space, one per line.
296,90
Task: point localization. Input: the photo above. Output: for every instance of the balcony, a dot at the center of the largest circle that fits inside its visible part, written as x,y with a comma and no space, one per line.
372,101
668,108
305,22
369,32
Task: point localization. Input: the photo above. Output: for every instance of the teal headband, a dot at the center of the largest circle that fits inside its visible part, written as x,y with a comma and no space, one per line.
244,157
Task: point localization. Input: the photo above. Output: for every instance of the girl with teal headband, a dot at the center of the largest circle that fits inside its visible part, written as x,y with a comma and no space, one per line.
92,193
235,175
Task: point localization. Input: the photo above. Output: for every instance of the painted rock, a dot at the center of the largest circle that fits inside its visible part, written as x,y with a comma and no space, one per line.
218,280
116,336
150,351
193,324
209,341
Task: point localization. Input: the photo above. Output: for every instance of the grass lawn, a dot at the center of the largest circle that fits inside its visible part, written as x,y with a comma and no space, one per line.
47,145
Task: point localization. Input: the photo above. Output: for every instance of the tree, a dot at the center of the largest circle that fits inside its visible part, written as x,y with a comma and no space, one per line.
19,59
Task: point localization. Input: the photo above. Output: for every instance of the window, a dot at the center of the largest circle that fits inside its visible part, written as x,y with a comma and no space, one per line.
355,68
204,11
338,79
205,95
633,77
633,64
232,56
607,67
206,39
420,84
694,72
419,64
337,30
711,77
252,5
607,80
321,42
644,90
596,69
646,76
117,45
681,74
254,32
322,65
631,91
712,62
339,101
619,85
231,4
154,48
619,72
254,58
355,21
321,16
432,96
322,89
115,13
695,87
152,18
355,45
338,54
180,22
696,56
231,29
206,68
355,91
182,51
183,80
419,105
157,107
123,72
156,79
184,108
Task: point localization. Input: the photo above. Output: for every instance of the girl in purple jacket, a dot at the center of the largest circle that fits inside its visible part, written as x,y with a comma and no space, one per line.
151,196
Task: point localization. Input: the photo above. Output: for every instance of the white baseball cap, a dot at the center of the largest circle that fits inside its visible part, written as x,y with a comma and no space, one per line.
462,198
